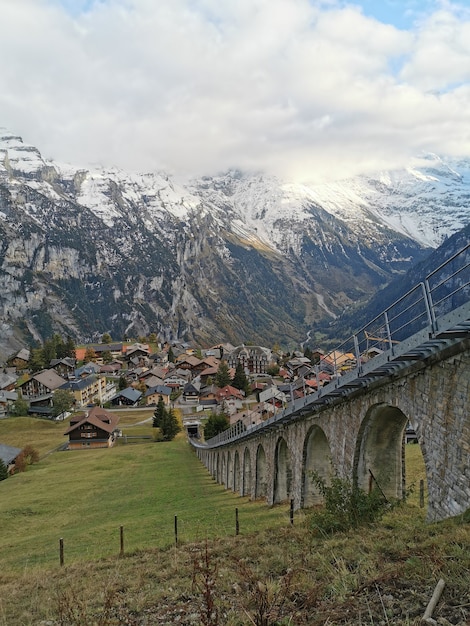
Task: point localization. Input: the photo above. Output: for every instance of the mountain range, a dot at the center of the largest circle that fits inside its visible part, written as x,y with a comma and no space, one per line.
239,257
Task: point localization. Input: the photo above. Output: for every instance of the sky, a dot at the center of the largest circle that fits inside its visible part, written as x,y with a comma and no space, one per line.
309,90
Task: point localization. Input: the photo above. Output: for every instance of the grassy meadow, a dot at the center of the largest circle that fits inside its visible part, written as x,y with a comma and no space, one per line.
273,573
85,496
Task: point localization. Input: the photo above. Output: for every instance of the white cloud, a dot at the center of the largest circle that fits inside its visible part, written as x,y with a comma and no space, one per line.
307,89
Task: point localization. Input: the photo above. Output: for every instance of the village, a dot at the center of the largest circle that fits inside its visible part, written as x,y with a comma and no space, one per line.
247,383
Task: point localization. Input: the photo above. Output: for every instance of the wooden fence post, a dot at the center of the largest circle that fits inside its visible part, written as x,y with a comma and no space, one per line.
121,533
176,529
292,512
237,524
61,551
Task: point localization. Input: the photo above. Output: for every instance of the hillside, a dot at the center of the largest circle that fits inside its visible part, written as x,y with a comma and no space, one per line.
233,257
271,571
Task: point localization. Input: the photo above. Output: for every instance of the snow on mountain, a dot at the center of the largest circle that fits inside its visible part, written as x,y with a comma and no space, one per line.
234,256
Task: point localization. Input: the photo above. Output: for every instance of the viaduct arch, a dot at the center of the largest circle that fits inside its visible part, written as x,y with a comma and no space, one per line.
362,436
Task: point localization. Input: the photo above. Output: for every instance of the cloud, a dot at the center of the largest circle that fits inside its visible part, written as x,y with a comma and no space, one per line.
304,89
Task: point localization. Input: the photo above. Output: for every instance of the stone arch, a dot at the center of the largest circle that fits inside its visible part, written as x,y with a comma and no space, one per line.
282,472
223,470
236,473
246,476
229,477
261,484
316,459
379,450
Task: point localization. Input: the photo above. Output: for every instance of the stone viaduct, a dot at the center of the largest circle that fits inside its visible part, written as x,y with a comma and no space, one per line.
362,435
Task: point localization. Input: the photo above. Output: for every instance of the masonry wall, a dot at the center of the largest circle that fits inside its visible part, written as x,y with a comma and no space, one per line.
361,438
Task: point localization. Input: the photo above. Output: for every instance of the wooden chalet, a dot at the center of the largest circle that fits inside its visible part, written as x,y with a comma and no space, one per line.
97,428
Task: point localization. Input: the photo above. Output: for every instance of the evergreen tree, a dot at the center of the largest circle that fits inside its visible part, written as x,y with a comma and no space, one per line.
171,355
49,351
106,338
36,360
159,413
122,384
222,378
216,423
3,470
70,348
107,356
169,426
240,380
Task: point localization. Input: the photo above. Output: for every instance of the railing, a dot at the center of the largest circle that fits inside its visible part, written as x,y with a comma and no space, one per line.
442,291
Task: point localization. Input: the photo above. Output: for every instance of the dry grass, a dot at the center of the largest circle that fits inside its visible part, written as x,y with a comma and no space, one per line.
280,576
273,573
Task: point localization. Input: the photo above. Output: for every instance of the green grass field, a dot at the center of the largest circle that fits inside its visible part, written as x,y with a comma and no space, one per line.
85,496
306,577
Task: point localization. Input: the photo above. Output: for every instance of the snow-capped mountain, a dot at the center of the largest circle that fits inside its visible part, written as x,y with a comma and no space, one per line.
233,257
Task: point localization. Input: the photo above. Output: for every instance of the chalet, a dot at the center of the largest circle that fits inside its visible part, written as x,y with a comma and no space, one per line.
153,394
39,388
87,369
113,368
21,359
229,392
177,379
116,350
126,397
254,359
97,428
160,358
190,362
191,391
8,378
87,390
137,352
6,399
8,455
64,367
207,374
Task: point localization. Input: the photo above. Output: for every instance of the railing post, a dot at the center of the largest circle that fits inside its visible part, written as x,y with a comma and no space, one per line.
429,304
358,355
389,334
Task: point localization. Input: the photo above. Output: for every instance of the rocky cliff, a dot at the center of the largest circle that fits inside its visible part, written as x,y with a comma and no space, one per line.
234,257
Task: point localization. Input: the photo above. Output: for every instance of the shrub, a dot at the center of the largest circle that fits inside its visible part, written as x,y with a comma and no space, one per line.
346,505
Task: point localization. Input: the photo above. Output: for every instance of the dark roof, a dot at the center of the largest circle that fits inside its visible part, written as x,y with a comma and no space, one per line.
8,453
161,389
88,368
101,418
68,361
129,393
79,383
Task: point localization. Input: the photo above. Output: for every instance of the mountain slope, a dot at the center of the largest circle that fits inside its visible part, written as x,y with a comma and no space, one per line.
232,257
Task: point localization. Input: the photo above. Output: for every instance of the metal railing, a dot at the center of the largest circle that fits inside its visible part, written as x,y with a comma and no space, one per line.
444,290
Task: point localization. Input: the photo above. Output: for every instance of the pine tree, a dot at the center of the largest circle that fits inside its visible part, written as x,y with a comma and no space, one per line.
3,470
159,413
240,380
36,360
70,347
222,378
169,426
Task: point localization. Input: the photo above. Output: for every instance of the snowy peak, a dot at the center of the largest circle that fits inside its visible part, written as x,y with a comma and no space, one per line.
16,156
